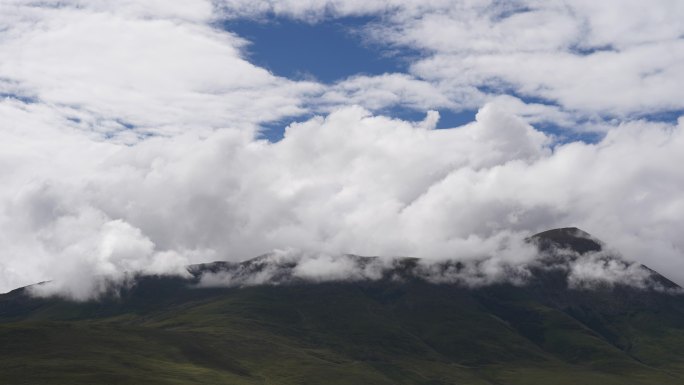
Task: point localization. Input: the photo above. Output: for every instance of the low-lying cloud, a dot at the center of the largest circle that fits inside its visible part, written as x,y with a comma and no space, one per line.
521,266
350,182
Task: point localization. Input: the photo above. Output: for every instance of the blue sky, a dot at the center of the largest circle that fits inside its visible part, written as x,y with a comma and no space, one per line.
332,51
328,52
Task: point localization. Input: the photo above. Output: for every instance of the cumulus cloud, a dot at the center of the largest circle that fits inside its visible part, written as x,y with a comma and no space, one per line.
595,60
166,67
91,256
113,73
567,53
127,138
350,182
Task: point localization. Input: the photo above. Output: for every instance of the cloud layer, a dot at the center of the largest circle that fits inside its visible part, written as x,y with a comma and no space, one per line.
590,59
129,136
517,263
351,182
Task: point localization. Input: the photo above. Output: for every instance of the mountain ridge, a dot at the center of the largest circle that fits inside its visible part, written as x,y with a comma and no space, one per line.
167,330
559,249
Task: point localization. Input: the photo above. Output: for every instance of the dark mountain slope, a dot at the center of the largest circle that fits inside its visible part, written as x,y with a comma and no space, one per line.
569,238
164,330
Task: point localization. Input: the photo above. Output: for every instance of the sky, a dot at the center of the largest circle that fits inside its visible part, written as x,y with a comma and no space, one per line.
142,136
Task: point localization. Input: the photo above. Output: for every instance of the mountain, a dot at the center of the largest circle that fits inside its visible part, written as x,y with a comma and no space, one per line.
395,325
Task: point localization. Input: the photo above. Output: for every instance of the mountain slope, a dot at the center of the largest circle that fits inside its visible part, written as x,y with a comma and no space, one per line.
165,330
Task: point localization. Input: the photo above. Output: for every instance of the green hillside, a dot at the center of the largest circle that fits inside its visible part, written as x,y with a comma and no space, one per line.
165,331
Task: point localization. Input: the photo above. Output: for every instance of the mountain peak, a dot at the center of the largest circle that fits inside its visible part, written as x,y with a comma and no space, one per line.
571,238
567,238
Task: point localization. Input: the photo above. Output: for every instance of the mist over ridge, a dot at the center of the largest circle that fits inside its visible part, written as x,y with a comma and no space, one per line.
575,257
348,183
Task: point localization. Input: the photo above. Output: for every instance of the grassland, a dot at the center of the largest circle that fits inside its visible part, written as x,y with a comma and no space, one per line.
164,332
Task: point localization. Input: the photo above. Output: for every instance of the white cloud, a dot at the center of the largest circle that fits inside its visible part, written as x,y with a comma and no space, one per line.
633,81
86,81
119,70
86,253
596,269
292,266
607,58
327,268
186,10
514,262
163,67
347,183
545,50
377,92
